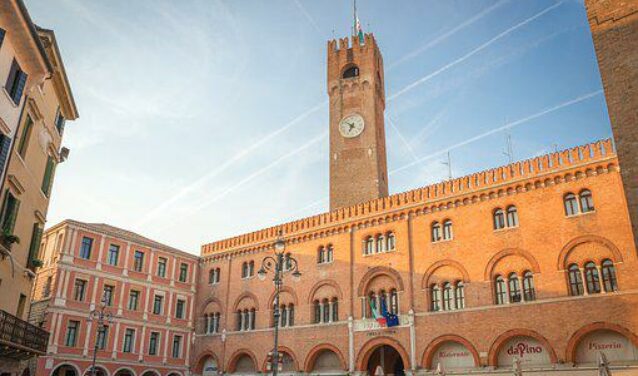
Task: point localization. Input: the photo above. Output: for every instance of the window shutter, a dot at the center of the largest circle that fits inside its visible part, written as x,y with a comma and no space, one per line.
5,207
5,143
22,80
12,76
23,142
48,175
36,237
59,121
13,216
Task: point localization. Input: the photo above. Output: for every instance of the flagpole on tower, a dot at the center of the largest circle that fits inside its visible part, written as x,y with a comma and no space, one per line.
354,17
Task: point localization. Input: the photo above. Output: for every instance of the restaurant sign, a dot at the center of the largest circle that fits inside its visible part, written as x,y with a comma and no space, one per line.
530,352
452,355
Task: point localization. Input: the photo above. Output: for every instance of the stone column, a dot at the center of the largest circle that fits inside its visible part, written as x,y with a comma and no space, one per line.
583,276
412,341
364,306
351,344
601,283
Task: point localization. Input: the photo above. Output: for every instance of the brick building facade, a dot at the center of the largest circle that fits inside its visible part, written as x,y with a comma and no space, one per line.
456,241
149,289
532,262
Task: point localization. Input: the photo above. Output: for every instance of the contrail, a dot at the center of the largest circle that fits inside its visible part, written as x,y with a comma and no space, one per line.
256,174
496,130
405,142
229,162
309,206
472,53
446,35
307,15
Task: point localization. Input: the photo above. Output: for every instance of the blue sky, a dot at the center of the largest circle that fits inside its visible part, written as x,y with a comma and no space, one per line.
202,120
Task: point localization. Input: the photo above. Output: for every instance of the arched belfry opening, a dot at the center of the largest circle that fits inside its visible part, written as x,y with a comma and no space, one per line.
385,360
351,71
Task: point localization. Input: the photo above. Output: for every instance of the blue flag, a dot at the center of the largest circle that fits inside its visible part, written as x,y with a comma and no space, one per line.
390,318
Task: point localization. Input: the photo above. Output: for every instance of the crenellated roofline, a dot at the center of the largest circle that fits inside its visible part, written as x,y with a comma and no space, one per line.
450,193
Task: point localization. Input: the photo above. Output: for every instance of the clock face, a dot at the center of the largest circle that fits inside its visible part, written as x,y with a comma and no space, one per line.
351,126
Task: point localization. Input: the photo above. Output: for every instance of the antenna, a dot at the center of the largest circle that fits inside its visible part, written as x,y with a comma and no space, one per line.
509,153
449,165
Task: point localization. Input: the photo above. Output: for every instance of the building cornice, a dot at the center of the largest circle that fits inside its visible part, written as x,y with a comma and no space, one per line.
154,246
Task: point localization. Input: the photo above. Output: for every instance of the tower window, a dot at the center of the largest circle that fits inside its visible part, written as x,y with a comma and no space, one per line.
352,71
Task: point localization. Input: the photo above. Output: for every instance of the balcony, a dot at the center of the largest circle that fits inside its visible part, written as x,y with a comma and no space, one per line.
19,339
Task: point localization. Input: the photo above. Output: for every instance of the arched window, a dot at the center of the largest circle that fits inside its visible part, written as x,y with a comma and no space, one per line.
435,297
350,72
213,276
447,230
251,317
512,216
575,280
459,293
244,270
371,304
380,243
369,245
436,232
287,262
291,314
499,219
382,301
335,310
391,241
501,290
447,296
394,302
326,310
212,322
240,320
329,253
529,293
514,288
321,255
251,268
283,316
586,201
317,309
609,276
571,204
592,278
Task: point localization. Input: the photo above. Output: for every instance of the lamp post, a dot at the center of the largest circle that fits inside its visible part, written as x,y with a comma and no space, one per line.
281,263
101,316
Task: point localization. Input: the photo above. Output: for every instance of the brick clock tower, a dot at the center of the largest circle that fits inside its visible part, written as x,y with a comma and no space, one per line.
358,167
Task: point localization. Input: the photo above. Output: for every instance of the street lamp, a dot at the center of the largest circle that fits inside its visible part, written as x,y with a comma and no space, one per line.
102,316
281,263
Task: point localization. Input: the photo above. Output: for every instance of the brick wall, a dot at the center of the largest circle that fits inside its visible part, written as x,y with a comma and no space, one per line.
614,27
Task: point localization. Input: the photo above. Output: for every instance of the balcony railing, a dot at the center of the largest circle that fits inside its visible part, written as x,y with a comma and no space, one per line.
19,339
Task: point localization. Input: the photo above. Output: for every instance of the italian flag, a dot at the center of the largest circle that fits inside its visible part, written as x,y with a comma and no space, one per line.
377,316
357,30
